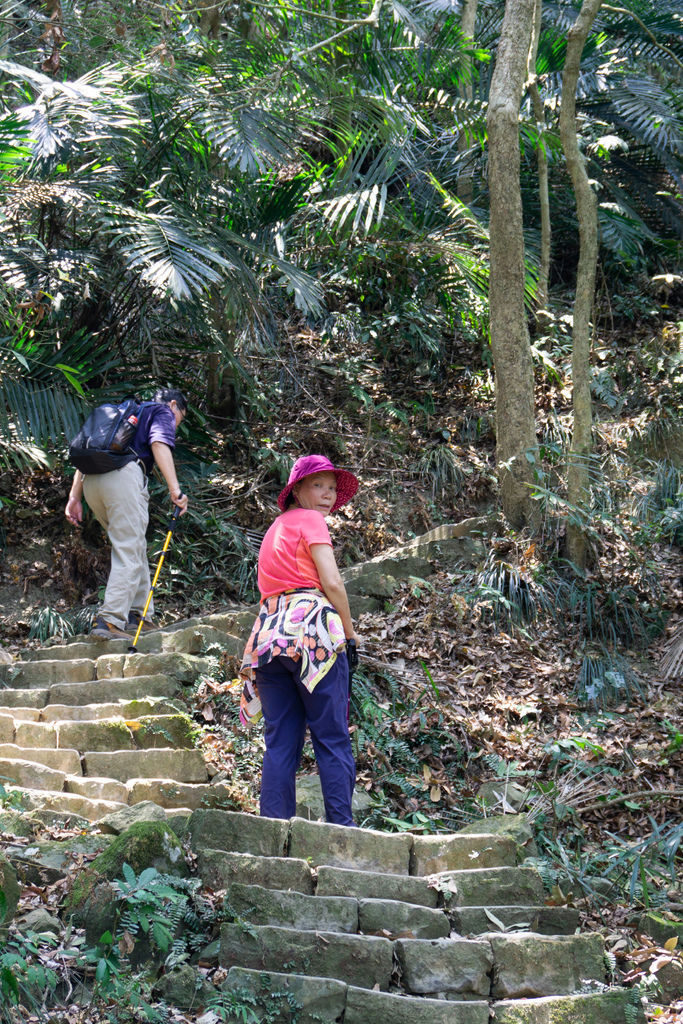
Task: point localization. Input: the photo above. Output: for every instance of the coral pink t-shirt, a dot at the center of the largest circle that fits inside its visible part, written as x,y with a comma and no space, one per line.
284,561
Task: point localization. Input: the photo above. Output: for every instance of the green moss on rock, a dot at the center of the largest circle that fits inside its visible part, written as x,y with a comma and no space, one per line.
164,731
143,845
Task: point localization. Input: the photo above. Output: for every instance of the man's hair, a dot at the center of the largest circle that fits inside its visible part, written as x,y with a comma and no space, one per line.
167,395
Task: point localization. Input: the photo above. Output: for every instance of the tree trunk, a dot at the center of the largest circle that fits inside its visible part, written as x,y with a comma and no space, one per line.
515,427
467,23
587,212
209,18
542,162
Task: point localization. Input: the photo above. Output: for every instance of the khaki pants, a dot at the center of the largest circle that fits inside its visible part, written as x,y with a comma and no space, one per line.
120,502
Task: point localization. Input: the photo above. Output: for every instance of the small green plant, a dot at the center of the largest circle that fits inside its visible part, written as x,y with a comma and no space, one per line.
26,980
605,679
47,623
439,468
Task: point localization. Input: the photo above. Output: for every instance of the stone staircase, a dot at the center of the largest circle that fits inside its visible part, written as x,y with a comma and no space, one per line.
370,928
346,925
89,728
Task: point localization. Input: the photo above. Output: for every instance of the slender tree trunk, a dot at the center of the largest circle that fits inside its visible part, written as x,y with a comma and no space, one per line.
587,212
515,427
467,23
210,18
542,163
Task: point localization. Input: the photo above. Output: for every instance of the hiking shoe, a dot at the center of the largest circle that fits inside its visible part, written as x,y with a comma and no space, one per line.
102,628
134,622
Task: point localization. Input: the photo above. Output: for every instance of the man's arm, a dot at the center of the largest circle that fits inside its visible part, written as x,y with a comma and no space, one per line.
163,457
74,506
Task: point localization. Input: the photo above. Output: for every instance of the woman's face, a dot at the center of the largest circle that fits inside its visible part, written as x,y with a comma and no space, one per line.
317,491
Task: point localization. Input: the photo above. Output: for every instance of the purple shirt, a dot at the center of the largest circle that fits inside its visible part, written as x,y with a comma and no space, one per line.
155,423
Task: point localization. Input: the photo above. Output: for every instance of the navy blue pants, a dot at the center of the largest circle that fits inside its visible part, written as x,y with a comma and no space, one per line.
288,708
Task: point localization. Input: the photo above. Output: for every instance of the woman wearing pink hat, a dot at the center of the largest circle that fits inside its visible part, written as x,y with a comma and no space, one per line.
295,663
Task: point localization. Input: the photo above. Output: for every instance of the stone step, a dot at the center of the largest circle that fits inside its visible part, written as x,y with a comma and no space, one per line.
109,734
433,854
19,714
388,918
93,788
219,870
589,1008
360,849
22,675
544,920
315,999
210,628
92,647
63,802
64,760
363,1007
168,793
477,887
164,763
154,687
30,775
325,999
376,885
361,960
125,709
521,966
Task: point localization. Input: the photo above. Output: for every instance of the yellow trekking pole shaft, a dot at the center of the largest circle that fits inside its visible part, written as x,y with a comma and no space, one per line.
167,542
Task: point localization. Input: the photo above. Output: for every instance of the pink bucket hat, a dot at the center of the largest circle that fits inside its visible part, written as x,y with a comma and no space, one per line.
347,484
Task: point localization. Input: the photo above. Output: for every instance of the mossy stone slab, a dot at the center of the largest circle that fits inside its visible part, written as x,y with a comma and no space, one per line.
311,1000
461,852
661,928
234,832
262,906
528,966
375,885
379,917
339,846
591,1008
542,920
149,731
361,960
490,886
363,1007
219,870
513,826
145,844
454,967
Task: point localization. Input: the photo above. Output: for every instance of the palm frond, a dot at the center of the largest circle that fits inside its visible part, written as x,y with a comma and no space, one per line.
158,249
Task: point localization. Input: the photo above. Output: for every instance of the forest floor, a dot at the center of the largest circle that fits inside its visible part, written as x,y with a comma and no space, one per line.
473,675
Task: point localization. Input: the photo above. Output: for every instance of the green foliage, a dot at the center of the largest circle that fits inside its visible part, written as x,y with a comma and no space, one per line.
660,510
47,623
266,1006
390,729
606,679
29,974
440,469
638,871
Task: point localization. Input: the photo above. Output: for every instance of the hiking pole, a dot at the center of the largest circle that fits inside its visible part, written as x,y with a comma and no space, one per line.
171,528
352,656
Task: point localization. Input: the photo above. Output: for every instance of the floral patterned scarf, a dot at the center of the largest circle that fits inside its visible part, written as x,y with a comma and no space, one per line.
299,624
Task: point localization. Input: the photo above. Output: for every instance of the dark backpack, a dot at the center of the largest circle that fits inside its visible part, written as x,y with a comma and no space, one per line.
104,441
